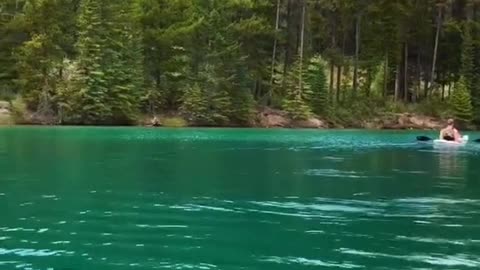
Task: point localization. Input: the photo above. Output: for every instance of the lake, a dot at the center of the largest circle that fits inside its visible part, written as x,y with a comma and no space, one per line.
131,198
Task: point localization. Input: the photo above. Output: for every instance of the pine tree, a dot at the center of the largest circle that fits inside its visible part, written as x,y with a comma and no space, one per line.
476,87
221,107
243,102
195,106
243,105
40,58
296,102
218,96
125,69
93,85
467,58
461,102
317,82
9,43
378,82
475,91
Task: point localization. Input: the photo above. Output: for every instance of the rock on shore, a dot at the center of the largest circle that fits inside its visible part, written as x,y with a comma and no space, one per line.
271,118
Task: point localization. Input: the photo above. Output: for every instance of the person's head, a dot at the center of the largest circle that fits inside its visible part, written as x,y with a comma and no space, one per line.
450,122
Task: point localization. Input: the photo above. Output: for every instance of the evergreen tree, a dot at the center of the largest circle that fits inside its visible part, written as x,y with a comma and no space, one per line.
124,70
467,58
461,102
296,102
40,59
93,82
11,38
317,82
243,105
475,91
218,97
98,62
221,107
195,106
243,102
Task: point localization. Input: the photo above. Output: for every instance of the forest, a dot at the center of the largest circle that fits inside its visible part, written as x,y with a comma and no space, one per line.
219,62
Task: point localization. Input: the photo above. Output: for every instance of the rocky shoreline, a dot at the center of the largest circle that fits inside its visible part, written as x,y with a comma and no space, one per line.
269,118
275,118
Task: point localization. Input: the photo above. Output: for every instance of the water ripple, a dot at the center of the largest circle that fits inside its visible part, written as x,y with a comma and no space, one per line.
34,253
309,262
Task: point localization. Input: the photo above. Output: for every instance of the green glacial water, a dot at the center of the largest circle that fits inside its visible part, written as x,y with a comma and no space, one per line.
128,198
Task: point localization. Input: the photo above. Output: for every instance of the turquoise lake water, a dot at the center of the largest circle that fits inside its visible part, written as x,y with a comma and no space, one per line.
131,198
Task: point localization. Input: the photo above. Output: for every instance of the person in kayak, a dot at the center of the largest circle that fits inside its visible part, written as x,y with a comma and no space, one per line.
450,133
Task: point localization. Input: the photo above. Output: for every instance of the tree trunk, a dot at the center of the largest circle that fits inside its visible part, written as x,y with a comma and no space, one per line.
332,64
302,36
274,53
425,86
288,38
357,50
332,78
385,75
443,90
339,81
368,84
405,73
397,81
342,69
417,79
435,49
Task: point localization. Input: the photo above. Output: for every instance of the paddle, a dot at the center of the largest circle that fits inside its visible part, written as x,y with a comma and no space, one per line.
423,138
426,139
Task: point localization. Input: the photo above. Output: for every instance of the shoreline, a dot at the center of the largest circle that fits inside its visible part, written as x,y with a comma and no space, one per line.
220,127
266,118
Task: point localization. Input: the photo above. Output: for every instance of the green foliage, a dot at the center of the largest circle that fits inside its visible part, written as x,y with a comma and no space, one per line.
174,122
434,107
92,79
298,96
243,105
49,24
124,68
461,102
109,73
378,80
317,83
104,62
220,107
19,109
195,106
152,100
467,70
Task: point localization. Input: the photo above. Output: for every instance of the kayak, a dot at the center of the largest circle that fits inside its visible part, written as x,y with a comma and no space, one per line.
439,142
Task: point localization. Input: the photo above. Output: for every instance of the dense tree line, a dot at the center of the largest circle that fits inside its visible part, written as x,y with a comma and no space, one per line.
217,61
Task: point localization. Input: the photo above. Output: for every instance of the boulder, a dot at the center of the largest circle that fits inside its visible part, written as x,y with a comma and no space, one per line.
374,124
408,121
310,123
273,118
4,111
4,105
425,122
